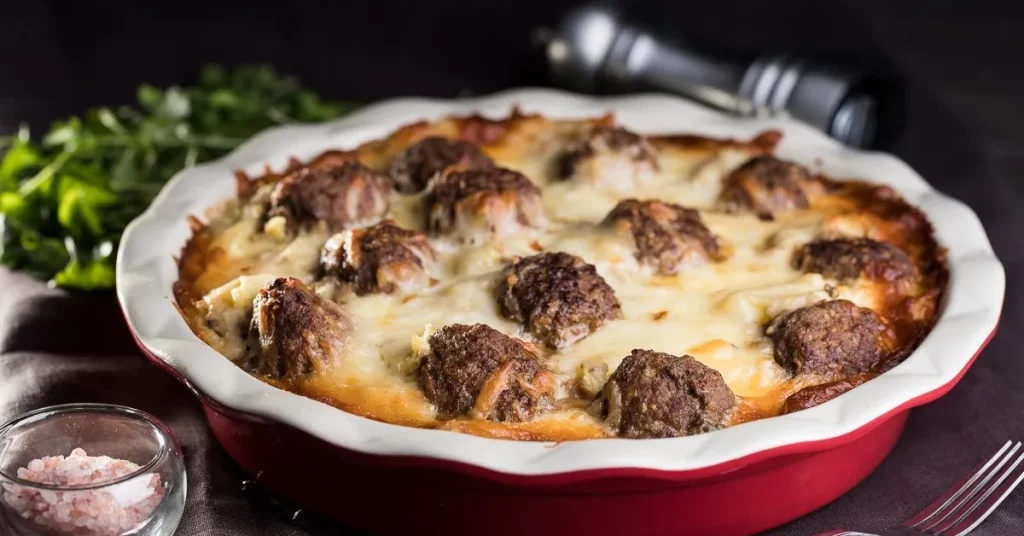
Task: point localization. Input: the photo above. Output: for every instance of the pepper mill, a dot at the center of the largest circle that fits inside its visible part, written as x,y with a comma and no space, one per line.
595,50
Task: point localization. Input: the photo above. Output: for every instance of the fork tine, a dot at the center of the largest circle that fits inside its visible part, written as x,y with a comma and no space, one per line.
931,526
954,492
980,509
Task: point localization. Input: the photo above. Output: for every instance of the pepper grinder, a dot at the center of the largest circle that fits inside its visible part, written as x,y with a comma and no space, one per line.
595,50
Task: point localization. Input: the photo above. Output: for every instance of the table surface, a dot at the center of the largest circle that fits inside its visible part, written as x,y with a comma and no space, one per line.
965,134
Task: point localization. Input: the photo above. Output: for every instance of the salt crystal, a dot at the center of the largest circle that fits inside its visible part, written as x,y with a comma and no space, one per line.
107,511
132,491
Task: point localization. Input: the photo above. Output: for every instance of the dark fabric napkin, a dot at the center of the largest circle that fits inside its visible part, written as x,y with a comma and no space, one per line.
57,347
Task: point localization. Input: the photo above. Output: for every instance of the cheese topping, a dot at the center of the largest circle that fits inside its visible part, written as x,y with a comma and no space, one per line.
715,311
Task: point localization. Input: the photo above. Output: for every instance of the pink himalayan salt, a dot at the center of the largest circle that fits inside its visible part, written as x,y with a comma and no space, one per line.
105,511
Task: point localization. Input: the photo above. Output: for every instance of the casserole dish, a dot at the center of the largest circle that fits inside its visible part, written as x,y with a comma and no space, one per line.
378,476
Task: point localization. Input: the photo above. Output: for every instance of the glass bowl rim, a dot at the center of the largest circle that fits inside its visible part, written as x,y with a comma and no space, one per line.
163,434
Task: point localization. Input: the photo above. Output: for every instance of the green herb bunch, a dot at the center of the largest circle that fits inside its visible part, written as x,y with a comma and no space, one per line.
66,197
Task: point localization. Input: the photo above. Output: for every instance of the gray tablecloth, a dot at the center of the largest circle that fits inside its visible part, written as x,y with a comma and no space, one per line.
56,348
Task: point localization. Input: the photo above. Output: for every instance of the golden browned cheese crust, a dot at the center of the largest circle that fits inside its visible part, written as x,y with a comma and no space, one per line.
489,276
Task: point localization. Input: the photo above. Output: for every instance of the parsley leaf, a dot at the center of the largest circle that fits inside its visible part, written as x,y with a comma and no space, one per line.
66,198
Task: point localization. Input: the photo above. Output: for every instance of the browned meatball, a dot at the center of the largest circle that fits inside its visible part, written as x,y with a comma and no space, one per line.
829,338
423,160
382,258
610,157
653,394
475,203
767,186
294,332
667,236
558,297
808,397
343,196
479,371
847,259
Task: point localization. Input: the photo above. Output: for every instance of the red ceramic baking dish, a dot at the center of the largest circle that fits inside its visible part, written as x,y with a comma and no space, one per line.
393,479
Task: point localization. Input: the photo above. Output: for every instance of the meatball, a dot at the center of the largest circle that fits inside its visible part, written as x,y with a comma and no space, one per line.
808,397
653,394
829,338
667,236
476,203
847,259
479,371
413,168
382,258
767,186
347,195
558,297
294,332
608,157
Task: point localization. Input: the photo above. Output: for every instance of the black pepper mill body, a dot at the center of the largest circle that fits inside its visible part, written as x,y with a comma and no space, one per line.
594,50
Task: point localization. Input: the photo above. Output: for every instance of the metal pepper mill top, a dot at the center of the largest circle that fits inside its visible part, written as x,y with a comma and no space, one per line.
593,50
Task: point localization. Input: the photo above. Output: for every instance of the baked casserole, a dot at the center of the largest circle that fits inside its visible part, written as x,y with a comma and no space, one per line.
540,279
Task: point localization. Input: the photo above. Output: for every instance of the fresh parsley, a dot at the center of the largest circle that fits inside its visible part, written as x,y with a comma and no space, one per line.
66,197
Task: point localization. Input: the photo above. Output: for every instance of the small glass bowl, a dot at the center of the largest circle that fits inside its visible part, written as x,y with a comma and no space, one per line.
120,432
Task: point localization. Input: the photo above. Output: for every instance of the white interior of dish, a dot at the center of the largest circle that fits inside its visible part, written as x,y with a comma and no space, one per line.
146,272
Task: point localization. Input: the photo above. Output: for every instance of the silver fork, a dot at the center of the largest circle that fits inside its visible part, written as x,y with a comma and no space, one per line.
967,503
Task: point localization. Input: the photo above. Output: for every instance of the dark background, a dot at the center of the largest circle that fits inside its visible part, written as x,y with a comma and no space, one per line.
965,133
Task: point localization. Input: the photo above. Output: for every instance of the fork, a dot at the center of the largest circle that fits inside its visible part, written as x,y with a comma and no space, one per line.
967,503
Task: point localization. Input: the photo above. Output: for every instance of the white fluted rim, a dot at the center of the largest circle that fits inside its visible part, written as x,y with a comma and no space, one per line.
146,272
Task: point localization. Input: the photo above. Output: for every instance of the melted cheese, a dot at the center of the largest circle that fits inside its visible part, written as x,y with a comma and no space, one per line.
714,312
